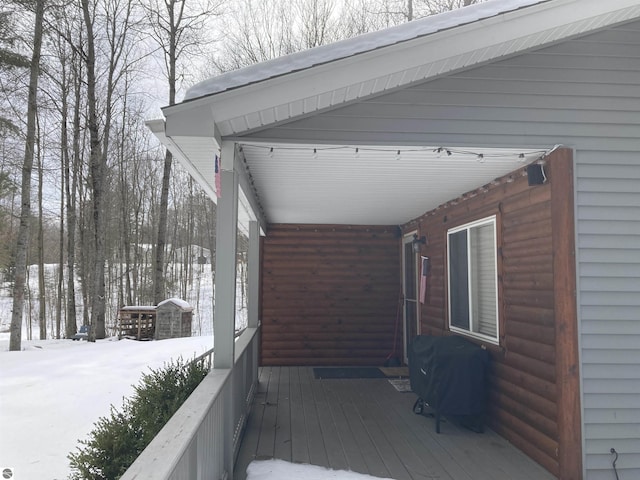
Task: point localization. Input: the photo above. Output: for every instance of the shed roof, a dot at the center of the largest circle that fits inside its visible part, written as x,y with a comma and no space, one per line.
177,302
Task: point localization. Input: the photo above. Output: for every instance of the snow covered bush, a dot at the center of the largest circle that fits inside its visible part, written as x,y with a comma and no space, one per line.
117,440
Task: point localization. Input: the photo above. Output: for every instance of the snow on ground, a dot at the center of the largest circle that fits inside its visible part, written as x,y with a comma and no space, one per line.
281,470
53,392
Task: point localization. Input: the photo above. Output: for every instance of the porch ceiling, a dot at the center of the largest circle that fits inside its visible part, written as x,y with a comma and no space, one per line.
252,107
368,185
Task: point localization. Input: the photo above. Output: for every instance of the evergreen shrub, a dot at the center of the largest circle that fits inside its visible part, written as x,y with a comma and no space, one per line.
117,440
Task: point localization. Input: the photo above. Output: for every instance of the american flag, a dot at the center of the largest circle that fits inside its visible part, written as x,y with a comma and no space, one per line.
217,175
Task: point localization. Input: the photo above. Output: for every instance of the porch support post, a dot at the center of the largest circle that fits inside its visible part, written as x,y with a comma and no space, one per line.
225,283
567,356
254,275
225,292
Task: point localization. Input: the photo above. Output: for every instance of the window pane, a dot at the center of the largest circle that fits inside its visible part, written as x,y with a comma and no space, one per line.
458,278
483,279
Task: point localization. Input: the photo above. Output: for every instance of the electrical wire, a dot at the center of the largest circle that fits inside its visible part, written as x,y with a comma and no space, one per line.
438,150
615,469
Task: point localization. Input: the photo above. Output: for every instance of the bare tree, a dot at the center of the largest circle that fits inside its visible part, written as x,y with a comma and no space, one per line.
117,15
408,10
12,65
97,170
255,31
22,244
177,28
68,82
42,304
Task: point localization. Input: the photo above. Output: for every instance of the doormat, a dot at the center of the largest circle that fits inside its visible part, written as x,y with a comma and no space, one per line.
347,372
401,384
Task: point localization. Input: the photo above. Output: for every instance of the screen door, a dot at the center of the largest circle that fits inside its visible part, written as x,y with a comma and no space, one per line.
410,293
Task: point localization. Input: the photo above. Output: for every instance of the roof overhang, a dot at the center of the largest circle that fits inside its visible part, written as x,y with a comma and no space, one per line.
368,188
469,37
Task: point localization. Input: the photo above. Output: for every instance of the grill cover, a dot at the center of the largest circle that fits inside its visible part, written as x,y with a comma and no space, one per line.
449,374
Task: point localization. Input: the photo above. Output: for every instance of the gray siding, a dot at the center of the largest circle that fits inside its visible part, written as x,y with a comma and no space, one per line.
584,94
608,217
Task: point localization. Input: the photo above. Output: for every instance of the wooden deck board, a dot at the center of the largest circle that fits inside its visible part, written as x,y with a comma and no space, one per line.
253,428
299,448
333,443
282,446
418,462
269,419
420,432
370,416
367,426
353,456
315,439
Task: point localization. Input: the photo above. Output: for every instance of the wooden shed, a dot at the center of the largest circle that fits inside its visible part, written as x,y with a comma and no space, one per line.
173,319
137,322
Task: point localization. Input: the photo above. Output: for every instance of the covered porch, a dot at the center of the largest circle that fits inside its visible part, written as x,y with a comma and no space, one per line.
329,161
367,426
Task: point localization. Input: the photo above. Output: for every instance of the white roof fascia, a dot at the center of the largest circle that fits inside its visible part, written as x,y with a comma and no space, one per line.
252,209
157,127
197,122
278,99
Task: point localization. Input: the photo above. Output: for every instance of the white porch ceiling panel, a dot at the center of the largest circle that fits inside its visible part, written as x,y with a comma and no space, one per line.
372,186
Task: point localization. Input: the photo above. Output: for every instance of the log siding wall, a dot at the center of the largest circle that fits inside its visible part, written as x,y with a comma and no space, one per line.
525,396
329,294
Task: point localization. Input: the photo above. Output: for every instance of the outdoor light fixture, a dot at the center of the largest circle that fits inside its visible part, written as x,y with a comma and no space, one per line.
535,174
417,241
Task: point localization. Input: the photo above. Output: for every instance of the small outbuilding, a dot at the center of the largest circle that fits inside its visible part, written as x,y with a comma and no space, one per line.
137,322
173,319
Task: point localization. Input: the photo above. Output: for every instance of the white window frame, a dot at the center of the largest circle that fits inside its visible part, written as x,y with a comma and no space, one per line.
473,322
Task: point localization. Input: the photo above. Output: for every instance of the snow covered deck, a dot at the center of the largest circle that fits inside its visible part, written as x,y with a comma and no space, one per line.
367,426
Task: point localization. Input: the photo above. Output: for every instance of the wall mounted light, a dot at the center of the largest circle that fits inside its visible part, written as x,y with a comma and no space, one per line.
417,242
535,174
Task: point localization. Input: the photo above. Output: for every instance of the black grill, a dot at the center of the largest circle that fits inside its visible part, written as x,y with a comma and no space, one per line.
449,376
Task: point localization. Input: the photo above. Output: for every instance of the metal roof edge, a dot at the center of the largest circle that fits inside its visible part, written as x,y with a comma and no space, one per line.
349,47
241,100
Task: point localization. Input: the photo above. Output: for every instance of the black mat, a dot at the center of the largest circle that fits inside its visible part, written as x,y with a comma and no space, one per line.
347,372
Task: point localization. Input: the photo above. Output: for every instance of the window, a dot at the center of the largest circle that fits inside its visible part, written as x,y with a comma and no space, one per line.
473,279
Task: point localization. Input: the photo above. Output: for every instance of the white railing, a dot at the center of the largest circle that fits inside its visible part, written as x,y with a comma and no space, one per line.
201,440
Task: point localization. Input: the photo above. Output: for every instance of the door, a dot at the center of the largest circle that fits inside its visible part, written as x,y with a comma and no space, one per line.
410,293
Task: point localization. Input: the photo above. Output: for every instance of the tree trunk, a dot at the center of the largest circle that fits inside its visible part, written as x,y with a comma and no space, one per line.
126,207
71,188
60,277
158,279
97,171
159,290
42,304
22,243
